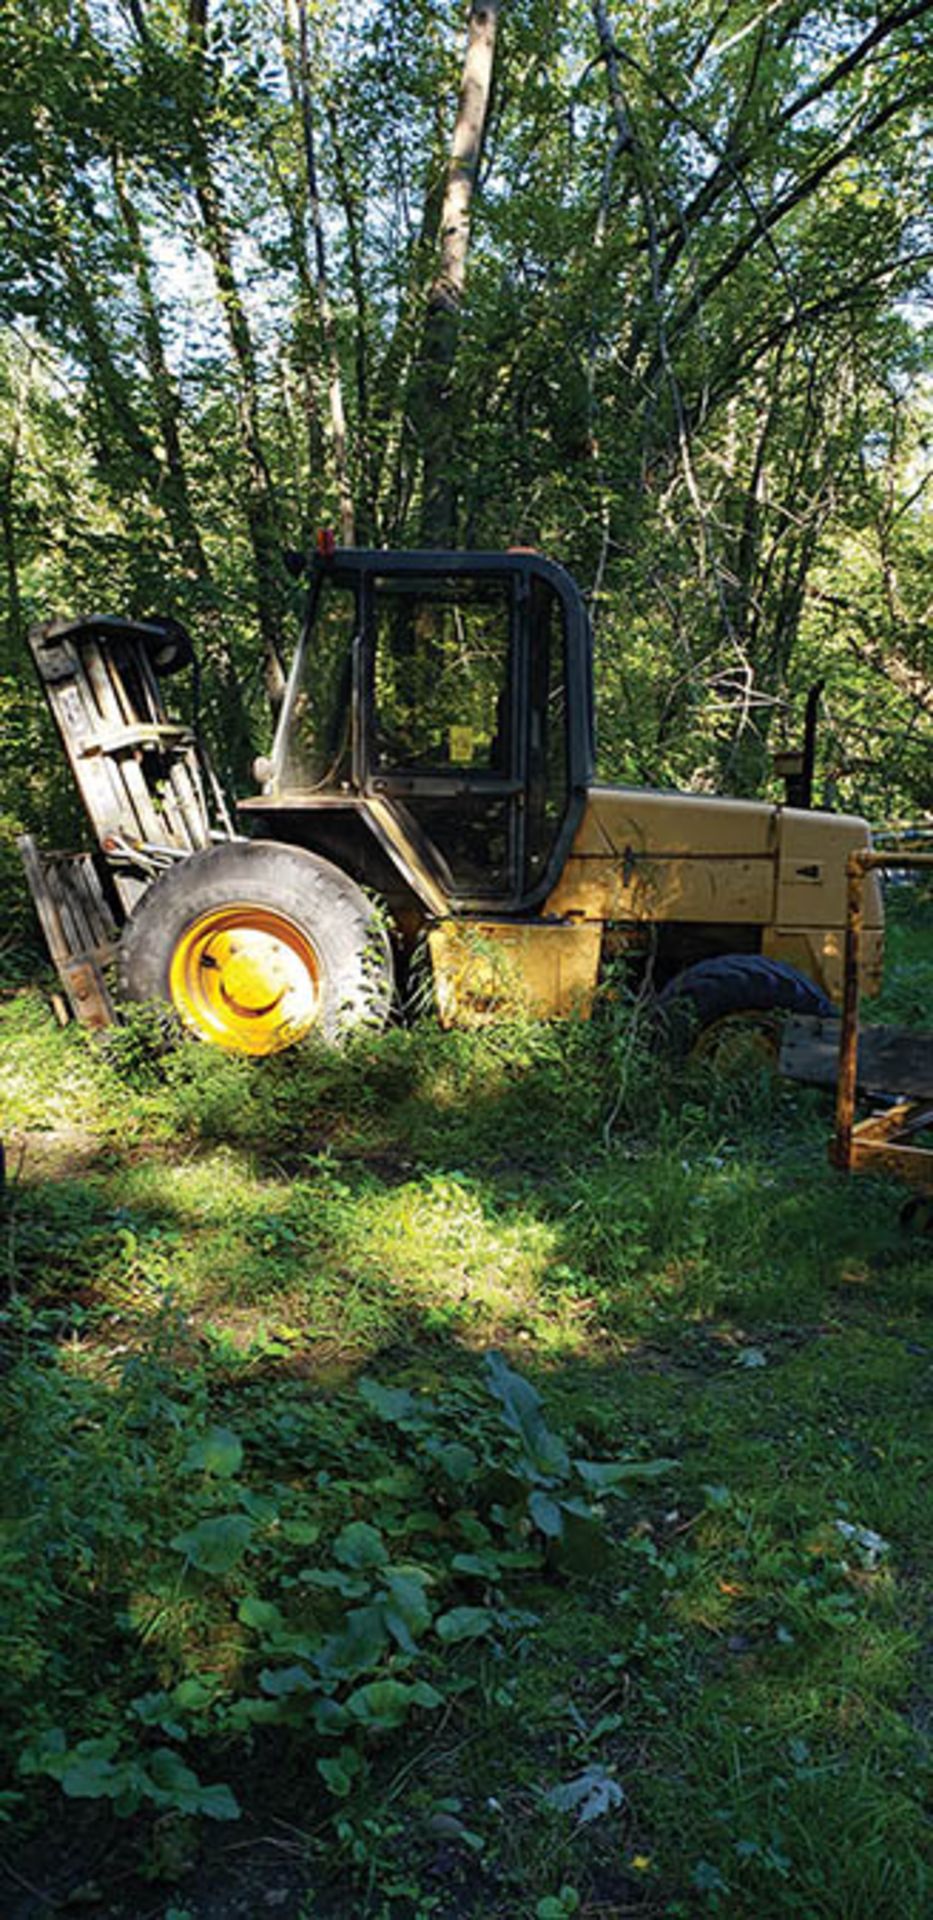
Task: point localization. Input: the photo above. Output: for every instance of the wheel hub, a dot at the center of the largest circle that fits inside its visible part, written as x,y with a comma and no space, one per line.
739,1041
247,978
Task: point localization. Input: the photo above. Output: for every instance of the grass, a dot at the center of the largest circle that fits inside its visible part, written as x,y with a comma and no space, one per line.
249,1311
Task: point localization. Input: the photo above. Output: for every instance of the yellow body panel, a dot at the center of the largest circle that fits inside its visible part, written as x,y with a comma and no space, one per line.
819,952
489,970
669,856
811,879
640,856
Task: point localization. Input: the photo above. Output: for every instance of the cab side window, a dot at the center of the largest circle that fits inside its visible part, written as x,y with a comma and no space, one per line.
441,674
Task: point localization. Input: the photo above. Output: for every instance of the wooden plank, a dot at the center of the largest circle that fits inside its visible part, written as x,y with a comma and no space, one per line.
88,993
73,934
891,1060
880,1128
125,764
77,715
889,1159
44,901
80,906
137,772
188,794
103,914
81,886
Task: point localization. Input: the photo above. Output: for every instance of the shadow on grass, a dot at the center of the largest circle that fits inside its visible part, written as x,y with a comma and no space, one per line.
698,1287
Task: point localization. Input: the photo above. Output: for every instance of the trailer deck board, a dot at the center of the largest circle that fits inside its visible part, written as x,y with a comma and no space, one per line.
893,1062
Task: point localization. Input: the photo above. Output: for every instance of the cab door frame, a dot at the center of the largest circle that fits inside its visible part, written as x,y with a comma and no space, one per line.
402,786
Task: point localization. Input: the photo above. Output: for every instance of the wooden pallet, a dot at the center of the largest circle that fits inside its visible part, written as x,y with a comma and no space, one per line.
148,790
79,927
146,787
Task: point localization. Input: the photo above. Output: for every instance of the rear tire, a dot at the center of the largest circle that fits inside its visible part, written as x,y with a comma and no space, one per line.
256,944
708,1007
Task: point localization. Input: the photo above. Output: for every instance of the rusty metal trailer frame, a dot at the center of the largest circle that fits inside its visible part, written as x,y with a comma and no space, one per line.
885,1142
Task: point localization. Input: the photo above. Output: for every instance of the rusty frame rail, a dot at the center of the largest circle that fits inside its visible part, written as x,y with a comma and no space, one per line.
879,1143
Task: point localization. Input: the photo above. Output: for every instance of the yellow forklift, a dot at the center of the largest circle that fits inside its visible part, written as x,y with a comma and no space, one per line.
431,779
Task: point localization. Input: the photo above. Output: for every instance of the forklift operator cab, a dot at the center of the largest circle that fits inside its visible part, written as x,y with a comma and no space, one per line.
457,689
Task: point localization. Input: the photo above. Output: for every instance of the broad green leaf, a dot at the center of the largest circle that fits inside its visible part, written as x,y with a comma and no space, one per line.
356,1649
301,1533
331,1580
381,1703
521,1405
406,1607
546,1514
360,1545
90,1775
216,1545
169,1773
385,1703
602,1475
472,1529
280,1682
250,1712
263,1615
423,1695
175,1785
193,1694
484,1566
156,1710
260,1506
330,1718
218,1803
464,1623
457,1461
395,1404
334,1777
218,1451
50,1746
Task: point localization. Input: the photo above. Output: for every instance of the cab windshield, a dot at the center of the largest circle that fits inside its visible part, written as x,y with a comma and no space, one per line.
314,744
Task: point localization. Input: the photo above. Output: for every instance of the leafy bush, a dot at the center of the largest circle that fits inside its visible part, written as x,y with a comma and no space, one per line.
222,1602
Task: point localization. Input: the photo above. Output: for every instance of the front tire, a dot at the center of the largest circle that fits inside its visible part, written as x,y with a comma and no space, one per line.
256,944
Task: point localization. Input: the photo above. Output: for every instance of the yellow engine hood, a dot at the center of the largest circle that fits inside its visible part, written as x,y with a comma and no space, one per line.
642,855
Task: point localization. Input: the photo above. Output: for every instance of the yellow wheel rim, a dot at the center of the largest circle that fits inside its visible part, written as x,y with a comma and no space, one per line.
739,1042
246,978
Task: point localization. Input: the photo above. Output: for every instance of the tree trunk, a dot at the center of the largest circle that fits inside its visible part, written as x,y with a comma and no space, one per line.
15,623
430,401
299,73
233,733
109,381
261,512
351,213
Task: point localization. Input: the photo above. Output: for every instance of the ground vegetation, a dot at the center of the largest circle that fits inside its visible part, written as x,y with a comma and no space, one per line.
465,1475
